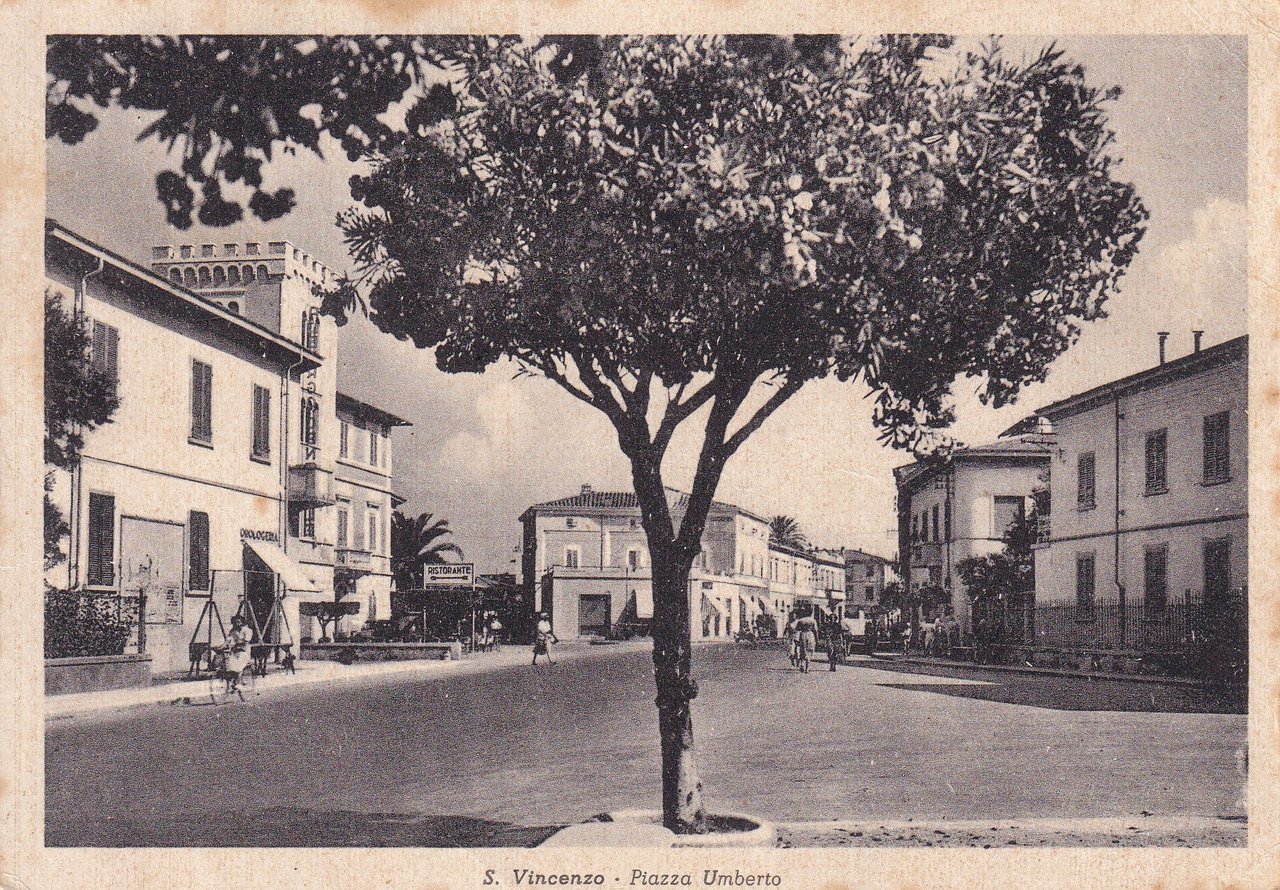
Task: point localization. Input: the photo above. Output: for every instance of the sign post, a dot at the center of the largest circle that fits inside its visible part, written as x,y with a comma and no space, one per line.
461,574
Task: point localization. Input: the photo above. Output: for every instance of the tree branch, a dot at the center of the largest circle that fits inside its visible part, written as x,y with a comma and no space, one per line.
677,412
548,369
784,392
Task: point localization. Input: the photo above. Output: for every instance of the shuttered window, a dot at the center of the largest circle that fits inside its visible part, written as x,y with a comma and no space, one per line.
198,550
1084,586
261,423
344,439
1085,492
342,527
105,351
102,539
201,402
373,448
1217,436
357,534
1157,462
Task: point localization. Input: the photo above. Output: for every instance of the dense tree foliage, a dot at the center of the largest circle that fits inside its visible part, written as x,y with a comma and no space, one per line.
229,104
786,531
79,396
663,225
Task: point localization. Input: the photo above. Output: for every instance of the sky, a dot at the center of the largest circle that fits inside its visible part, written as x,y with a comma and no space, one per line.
483,447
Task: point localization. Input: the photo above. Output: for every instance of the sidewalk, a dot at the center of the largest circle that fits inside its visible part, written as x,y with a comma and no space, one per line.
929,661
1116,831
183,692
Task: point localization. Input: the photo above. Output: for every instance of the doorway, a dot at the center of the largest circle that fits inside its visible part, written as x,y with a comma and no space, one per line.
593,614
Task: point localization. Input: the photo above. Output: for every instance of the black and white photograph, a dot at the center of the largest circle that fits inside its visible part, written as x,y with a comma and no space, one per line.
744,442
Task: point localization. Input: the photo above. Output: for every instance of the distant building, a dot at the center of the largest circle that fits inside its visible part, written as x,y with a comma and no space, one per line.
961,507
1149,489
864,577
585,561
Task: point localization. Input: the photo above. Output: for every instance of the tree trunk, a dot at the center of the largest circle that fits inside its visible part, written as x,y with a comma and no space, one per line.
682,808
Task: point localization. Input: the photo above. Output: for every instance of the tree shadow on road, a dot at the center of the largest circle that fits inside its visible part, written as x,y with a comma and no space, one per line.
299,827
1073,693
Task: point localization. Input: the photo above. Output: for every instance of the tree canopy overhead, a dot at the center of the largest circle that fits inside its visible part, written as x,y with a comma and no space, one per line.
688,206
230,104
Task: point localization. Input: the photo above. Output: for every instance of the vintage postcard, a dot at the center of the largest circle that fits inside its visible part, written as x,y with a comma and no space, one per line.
576,445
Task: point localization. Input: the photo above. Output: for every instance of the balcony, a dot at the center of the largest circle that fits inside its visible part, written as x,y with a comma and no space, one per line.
310,485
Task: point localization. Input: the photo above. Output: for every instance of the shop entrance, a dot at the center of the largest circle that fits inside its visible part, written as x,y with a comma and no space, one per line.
593,614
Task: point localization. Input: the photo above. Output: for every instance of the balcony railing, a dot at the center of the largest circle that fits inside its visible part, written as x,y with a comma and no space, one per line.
311,485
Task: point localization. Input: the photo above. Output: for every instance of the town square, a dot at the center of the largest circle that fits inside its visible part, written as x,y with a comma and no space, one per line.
785,441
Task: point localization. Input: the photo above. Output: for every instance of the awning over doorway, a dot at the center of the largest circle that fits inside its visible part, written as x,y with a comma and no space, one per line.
290,573
644,602
710,606
766,607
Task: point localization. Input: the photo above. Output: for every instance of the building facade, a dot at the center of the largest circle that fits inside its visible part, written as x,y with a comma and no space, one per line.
1149,491
363,504
961,507
211,491
585,562
864,578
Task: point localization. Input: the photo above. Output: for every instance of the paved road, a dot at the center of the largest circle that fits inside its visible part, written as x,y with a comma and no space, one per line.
498,757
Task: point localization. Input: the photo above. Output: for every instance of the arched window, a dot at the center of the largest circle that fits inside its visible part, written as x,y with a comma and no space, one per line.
248,273
311,329
234,307
175,274
262,273
233,274
189,277
205,277
219,275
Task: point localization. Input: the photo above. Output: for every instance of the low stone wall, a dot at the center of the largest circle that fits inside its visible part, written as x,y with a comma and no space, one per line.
352,652
63,676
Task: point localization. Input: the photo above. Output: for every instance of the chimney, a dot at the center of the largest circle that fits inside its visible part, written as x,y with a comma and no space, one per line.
1195,337
1163,336
586,488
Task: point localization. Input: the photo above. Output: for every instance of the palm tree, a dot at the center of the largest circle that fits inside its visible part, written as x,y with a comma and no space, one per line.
415,542
785,530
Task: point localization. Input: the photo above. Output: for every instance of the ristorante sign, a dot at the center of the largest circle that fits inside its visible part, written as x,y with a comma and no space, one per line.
456,574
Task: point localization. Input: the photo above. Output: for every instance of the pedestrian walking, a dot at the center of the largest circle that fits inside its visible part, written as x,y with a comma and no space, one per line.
495,631
930,637
543,639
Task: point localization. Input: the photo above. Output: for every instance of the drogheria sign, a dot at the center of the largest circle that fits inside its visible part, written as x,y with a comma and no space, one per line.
455,575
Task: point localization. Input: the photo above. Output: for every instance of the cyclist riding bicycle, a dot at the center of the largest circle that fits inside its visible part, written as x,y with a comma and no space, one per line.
237,655
806,629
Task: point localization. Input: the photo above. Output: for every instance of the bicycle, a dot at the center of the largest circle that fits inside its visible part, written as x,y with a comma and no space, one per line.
224,682
802,656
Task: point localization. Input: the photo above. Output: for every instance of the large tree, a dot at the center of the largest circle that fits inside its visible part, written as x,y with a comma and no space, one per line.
696,227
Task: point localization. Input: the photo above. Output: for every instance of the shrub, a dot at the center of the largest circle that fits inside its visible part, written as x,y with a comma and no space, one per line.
81,624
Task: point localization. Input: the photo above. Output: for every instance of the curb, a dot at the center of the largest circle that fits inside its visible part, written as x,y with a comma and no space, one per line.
643,828
1053,672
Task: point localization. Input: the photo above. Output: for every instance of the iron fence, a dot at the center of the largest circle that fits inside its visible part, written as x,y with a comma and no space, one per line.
1104,625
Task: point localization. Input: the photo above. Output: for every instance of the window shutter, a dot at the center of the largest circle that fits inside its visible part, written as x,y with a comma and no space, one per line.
261,421
102,512
198,558
342,528
357,534
113,355
201,401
